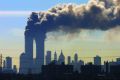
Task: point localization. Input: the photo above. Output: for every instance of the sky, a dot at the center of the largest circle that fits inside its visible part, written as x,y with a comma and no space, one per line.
13,19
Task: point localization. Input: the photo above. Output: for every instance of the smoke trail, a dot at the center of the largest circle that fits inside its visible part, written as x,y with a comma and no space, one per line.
70,18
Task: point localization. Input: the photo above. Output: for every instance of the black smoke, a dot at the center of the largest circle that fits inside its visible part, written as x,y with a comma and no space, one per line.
96,14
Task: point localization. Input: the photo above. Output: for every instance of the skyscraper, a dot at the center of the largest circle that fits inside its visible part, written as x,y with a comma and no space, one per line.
69,60
1,61
106,66
39,38
76,62
97,60
76,57
48,57
61,58
80,63
23,64
4,64
32,34
8,63
14,69
55,56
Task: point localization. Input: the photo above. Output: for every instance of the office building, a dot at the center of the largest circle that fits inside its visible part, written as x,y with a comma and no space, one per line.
48,57
97,60
61,58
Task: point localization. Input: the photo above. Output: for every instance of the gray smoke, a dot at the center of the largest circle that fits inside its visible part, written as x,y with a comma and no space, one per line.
70,18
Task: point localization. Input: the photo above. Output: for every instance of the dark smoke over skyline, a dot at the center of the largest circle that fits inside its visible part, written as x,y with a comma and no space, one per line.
71,18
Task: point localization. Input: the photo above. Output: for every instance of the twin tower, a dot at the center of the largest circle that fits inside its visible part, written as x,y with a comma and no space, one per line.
33,32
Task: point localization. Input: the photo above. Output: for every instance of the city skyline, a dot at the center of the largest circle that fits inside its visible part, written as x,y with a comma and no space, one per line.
60,40
87,43
8,67
77,69
55,56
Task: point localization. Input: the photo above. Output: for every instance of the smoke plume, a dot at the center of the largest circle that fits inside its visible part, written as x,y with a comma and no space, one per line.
71,18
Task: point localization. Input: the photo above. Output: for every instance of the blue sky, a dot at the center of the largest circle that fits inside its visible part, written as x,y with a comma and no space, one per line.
33,4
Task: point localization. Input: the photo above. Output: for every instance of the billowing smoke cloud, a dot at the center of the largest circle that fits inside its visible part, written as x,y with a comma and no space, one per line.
70,18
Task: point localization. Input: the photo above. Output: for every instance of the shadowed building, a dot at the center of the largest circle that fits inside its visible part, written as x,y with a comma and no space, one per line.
61,58
8,63
69,60
76,58
97,60
53,69
23,61
48,57
0,63
27,63
55,56
76,67
91,69
7,67
115,69
80,63
14,69
0,60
